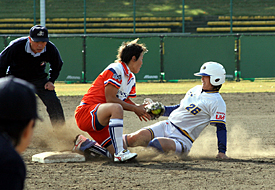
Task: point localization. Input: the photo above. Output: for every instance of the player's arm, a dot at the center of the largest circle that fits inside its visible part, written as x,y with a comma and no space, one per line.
110,95
130,101
222,140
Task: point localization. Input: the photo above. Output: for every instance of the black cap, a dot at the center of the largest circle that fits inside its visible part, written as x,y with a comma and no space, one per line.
17,100
39,33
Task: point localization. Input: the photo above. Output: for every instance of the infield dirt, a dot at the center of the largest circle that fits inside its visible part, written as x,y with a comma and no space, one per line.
251,145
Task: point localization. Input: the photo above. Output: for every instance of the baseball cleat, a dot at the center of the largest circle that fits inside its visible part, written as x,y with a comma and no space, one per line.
81,143
79,139
124,155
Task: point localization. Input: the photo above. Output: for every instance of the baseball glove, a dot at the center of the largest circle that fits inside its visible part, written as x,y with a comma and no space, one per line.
155,109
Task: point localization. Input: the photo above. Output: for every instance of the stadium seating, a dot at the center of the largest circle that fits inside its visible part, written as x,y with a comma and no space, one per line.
96,25
214,24
240,24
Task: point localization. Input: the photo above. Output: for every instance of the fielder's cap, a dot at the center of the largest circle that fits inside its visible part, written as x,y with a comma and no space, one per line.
39,33
17,100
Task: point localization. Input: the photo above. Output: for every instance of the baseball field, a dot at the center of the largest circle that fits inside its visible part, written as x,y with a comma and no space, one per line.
251,146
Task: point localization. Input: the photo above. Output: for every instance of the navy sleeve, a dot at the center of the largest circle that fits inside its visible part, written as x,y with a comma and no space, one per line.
13,175
222,137
169,109
4,62
12,166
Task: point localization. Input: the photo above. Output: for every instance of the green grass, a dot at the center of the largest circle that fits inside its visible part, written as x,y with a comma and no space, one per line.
124,8
174,88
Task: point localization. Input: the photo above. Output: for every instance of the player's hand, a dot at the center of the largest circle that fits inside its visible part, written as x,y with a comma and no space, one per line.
222,156
155,110
49,86
141,113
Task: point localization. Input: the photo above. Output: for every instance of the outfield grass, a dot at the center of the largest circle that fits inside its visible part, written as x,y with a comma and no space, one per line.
173,88
124,8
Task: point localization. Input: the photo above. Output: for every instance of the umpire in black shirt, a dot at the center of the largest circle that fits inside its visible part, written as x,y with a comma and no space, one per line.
26,58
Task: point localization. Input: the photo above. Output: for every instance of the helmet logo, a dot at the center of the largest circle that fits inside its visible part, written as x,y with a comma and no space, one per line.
204,67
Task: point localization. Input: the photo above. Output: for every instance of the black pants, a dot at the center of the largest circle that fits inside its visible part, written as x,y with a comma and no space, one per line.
51,101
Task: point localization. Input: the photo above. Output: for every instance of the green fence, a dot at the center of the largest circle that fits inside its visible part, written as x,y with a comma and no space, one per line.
257,56
175,56
70,49
184,55
2,43
102,51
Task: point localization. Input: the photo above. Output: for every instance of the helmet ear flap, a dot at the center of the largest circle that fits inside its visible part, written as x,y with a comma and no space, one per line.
217,80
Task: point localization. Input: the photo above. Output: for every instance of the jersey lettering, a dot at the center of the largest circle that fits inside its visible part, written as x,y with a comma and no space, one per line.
220,116
193,109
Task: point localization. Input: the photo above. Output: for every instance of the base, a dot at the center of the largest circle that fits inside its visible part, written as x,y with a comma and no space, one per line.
58,157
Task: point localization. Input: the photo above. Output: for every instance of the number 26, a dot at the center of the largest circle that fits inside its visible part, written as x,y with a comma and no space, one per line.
193,109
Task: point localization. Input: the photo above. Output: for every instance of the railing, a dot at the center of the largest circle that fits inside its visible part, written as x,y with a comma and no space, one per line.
135,9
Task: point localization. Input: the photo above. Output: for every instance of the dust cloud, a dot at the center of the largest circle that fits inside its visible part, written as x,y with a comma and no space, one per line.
239,143
59,138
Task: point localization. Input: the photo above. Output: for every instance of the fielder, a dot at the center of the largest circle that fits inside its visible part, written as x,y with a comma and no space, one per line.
201,106
100,112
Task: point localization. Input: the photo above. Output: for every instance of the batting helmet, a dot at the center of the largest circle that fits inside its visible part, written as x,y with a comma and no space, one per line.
215,71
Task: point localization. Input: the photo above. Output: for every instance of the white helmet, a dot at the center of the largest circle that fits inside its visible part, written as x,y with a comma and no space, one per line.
215,71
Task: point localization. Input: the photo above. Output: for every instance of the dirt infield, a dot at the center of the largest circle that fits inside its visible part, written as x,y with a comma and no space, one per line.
251,145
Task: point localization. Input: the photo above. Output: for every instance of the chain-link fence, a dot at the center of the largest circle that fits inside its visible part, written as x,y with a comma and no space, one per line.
112,16
143,8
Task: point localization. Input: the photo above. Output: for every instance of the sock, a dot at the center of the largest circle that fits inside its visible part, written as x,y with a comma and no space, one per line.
155,143
116,132
125,140
96,148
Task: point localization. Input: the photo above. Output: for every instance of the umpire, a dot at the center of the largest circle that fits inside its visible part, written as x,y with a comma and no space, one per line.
26,58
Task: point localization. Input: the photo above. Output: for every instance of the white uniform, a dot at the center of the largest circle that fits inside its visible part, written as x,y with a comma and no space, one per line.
197,110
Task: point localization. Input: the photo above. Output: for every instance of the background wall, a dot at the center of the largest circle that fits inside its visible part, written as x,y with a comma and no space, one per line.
102,51
182,55
257,56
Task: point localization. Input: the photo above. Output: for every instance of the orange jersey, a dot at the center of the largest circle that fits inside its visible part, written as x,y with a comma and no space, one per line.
117,74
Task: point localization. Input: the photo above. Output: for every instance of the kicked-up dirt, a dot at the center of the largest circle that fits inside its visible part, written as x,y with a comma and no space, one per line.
251,145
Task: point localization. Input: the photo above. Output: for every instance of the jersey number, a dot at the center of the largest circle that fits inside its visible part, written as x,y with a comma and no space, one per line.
193,109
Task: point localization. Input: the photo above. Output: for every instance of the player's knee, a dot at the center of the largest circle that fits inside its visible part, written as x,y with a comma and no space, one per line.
139,138
156,144
117,106
116,109
131,140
